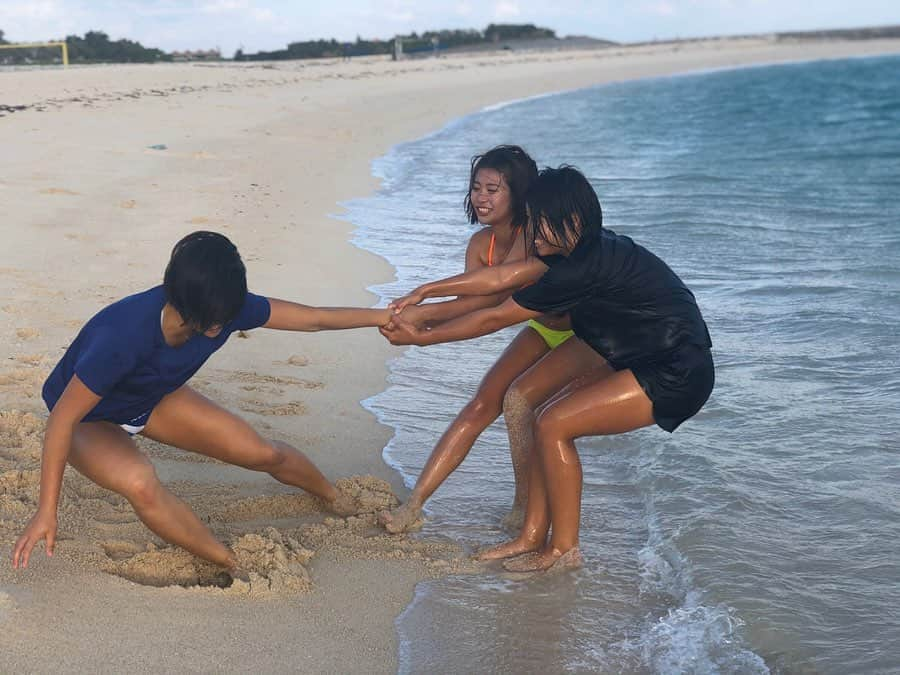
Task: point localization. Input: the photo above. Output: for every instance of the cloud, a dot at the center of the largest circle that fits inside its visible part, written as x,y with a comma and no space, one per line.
506,9
663,8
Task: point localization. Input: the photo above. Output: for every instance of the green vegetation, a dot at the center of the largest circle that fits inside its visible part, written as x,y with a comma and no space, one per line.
94,47
427,41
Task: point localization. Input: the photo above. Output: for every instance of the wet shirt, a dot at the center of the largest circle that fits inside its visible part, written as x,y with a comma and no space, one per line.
624,301
122,356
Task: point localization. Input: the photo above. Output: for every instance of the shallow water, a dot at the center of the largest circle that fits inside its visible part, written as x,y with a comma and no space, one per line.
763,535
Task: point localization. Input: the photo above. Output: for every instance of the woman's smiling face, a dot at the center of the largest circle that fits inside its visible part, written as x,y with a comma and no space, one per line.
491,197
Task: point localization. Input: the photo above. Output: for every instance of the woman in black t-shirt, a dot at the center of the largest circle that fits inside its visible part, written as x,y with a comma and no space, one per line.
640,355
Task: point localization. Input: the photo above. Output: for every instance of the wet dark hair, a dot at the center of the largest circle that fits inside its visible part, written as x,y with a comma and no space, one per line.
518,170
206,280
567,201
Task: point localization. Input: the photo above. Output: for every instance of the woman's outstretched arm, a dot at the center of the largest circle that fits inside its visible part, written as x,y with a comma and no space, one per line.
483,281
482,322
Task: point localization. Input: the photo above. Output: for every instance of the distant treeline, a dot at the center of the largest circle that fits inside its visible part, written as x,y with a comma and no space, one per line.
844,34
94,47
429,40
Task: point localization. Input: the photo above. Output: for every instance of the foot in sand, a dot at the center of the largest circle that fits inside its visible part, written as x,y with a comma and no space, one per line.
551,560
513,521
237,573
343,505
405,518
509,549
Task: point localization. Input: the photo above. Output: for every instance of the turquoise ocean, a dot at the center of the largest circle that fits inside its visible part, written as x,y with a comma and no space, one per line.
764,534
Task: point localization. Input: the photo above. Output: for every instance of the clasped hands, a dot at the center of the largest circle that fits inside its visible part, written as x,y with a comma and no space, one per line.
407,324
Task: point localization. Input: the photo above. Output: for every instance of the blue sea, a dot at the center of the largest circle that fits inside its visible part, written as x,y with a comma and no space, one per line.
764,534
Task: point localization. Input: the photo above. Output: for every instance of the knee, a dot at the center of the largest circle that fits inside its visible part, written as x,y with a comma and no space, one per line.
482,409
141,486
267,456
547,429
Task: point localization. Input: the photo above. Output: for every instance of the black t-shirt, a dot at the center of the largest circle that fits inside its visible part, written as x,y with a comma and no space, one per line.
624,301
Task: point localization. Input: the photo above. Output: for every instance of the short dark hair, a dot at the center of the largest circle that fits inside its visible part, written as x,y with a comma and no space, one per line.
206,280
518,170
567,201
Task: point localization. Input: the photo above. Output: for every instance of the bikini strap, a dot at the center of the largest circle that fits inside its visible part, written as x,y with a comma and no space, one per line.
491,250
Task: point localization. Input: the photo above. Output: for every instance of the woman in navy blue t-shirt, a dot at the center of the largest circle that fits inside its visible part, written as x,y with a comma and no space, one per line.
640,355
126,374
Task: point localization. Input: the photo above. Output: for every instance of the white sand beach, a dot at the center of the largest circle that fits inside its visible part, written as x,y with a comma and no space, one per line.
105,168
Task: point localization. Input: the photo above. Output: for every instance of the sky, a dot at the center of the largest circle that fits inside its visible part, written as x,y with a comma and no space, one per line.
258,25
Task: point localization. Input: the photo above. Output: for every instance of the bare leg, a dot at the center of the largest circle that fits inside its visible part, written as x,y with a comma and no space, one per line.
457,440
566,363
536,523
612,405
189,421
105,454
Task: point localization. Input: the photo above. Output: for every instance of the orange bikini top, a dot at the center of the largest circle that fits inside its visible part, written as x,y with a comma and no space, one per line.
491,247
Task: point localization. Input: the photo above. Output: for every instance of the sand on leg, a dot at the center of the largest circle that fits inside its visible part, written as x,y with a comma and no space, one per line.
456,442
568,362
611,405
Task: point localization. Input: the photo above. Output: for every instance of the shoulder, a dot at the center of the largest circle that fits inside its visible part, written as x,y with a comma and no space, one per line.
132,318
255,313
479,244
481,240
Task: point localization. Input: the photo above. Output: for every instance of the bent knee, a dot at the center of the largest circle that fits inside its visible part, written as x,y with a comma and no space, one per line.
549,427
141,485
484,408
265,456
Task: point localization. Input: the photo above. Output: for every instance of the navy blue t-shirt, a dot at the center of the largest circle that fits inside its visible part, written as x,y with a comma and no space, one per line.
121,355
624,301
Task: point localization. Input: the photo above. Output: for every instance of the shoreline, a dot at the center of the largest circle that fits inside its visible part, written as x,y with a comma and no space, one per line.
261,169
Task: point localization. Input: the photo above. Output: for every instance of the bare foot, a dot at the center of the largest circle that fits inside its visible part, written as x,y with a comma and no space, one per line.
512,521
343,505
404,518
551,560
519,559
507,550
238,574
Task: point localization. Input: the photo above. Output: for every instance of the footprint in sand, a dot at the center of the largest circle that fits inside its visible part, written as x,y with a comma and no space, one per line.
203,220
57,191
257,378
127,204
298,361
283,410
27,333
31,359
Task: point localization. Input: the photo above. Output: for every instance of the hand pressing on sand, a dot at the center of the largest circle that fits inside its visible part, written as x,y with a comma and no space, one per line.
41,526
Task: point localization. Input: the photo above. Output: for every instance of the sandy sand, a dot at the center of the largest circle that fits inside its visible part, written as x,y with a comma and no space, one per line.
263,153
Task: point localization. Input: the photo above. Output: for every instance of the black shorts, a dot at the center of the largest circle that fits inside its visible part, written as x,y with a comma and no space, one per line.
678,386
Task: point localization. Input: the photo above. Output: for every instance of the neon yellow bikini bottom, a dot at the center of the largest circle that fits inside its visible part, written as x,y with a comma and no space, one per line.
554,338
